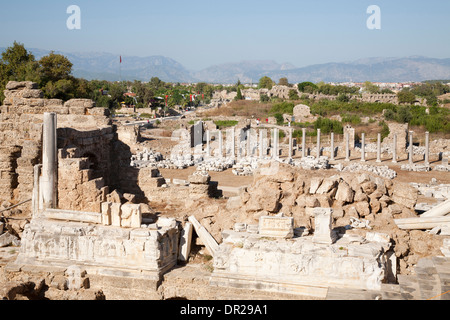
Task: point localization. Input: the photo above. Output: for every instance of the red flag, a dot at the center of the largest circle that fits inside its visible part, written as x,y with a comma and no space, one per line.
120,59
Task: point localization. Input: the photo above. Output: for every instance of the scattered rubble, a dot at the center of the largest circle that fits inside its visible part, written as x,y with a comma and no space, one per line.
382,171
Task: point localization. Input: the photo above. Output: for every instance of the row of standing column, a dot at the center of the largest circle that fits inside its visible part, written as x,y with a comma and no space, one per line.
275,145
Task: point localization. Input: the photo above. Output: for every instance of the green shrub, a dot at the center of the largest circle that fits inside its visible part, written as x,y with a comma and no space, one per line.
225,123
351,118
326,125
384,130
279,118
283,107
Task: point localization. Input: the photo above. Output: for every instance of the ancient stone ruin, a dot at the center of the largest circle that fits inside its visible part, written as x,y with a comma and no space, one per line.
97,220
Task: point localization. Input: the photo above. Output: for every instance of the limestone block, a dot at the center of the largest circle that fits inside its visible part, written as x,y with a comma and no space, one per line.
131,216
185,242
323,226
344,193
80,103
76,278
114,196
369,187
32,93
405,194
116,214
99,112
14,85
106,213
327,185
199,179
278,227
363,208
77,110
210,243
315,184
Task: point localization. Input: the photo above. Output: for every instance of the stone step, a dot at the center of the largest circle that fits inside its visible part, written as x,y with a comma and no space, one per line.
352,294
409,287
391,292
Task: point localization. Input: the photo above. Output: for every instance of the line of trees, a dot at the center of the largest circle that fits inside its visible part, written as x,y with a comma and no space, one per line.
53,74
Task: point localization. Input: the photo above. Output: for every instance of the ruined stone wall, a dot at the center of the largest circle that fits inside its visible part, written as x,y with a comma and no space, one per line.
78,189
84,131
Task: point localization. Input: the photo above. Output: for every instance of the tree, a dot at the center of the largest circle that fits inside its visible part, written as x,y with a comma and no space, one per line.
239,94
371,88
55,67
283,82
17,64
307,87
406,96
265,83
293,95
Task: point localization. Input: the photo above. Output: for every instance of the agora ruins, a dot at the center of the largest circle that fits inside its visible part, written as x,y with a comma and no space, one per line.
102,207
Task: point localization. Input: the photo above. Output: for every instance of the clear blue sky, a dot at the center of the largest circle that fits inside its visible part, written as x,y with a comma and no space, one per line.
200,33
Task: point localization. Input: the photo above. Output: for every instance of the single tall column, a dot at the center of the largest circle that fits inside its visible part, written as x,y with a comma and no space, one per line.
290,143
394,150
249,146
427,148
303,142
379,148
276,151
49,162
208,143
261,141
411,148
220,145
318,143
363,147
332,146
347,146
233,143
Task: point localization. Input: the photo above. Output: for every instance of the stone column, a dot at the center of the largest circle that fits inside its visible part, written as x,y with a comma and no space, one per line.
394,150
290,143
36,200
233,143
363,147
49,178
332,146
303,142
427,148
411,149
379,148
261,142
249,146
323,226
318,143
208,143
220,145
347,146
275,149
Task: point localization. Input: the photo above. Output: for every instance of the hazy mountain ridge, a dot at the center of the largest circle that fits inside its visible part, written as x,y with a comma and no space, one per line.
106,66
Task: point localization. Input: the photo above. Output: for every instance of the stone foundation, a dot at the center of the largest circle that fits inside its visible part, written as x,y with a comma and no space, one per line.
104,250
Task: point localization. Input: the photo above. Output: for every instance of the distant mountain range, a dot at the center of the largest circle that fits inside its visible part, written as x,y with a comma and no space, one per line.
106,66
